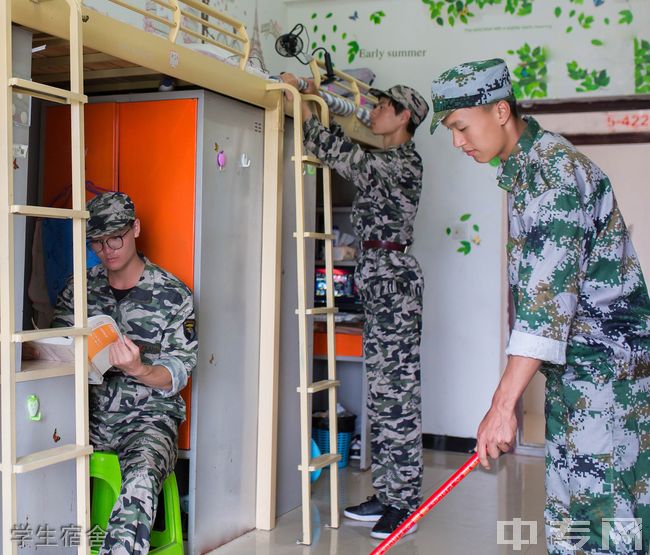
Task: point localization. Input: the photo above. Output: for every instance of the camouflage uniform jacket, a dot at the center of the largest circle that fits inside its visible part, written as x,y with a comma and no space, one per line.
158,316
388,183
579,295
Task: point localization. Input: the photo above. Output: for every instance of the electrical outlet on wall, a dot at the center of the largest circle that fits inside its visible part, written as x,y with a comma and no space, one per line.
460,232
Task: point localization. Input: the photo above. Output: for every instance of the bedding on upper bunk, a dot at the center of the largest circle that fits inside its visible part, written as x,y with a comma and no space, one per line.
221,54
155,26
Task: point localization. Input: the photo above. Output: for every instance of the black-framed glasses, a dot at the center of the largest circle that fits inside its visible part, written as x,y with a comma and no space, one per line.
114,242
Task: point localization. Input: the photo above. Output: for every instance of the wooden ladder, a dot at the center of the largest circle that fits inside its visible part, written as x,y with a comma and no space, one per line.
307,387
11,464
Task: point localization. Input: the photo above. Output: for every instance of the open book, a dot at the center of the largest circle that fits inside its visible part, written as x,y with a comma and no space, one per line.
104,333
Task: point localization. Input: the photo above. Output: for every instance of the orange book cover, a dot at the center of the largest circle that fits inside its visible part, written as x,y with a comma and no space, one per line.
104,333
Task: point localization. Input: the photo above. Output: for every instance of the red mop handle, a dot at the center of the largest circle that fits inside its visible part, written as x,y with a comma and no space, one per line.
423,509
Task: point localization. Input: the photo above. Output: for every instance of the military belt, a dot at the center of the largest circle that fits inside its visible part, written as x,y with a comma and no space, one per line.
388,245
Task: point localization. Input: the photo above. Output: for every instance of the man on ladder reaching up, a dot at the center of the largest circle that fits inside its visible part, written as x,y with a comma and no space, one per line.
388,182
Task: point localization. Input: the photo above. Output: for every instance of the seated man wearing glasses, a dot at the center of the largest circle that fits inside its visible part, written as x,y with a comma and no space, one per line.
136,411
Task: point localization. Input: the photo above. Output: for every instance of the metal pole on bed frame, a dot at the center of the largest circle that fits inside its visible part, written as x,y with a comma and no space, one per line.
307,387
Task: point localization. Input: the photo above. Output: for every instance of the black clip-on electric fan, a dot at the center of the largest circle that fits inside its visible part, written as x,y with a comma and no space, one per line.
291,45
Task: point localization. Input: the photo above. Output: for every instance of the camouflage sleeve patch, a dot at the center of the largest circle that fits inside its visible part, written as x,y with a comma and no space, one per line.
189,329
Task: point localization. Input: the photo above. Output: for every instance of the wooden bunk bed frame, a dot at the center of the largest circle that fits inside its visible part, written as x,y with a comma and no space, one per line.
118,56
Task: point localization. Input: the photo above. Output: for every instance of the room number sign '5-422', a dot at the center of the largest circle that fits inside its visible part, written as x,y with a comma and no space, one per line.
628,121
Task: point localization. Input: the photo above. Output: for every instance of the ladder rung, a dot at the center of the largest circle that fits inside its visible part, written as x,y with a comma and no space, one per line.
317,236
320,310
327,459
40,459
32,335
47,212
321,386
32,370
309,160
45,92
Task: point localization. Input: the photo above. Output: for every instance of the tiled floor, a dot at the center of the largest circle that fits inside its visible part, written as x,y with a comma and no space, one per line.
464,523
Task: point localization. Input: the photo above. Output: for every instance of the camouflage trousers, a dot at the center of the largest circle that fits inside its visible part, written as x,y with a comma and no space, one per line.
391,339
145,444
597,466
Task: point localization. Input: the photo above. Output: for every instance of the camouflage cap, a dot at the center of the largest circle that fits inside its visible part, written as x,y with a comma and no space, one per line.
109,213
411,99
470,84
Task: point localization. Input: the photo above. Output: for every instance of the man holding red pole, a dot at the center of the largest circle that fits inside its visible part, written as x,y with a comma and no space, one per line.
582,317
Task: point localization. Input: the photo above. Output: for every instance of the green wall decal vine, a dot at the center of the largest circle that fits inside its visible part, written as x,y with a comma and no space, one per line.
589,80
353,50
530,77
641,66
452,11
585,20
519,7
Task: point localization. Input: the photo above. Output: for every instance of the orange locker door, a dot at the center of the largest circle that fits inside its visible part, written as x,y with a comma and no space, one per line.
157,169
100,136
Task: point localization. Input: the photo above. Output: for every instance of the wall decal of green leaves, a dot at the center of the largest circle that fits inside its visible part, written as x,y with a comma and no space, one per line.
474,238
530,77
519,7
353,50
376,17
325,33
626,17
641,66
589,80
584,20
452,11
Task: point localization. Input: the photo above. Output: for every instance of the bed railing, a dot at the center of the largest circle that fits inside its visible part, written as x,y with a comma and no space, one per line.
360,103
216,28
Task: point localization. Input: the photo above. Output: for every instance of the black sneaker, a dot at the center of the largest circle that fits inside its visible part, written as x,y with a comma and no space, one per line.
389,522
370,510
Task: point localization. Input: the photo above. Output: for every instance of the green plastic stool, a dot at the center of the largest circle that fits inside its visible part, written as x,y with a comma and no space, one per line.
107,483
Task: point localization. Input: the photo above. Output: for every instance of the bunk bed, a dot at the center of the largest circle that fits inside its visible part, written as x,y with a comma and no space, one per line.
199,47
120,56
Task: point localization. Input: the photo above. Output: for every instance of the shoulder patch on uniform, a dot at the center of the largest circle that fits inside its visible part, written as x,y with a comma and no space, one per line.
189,329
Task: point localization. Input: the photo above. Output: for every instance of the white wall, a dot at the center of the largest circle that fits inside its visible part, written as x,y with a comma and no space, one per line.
463,342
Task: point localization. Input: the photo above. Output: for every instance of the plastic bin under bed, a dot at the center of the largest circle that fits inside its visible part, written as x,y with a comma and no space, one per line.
321,434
